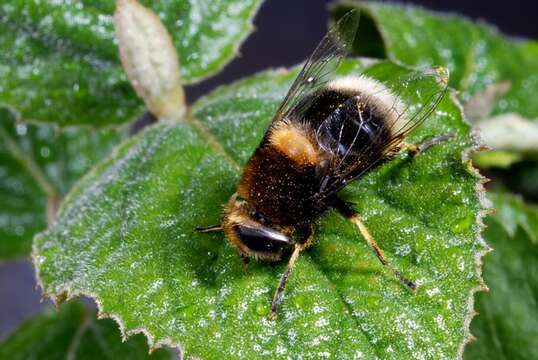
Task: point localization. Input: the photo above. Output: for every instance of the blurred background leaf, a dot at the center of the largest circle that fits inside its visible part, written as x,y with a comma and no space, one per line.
507,325
38,165
73,333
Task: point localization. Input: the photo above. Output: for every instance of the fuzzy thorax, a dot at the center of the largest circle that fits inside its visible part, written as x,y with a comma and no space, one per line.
293,141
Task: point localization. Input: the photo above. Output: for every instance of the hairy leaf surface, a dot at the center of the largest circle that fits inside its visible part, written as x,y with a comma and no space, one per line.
125,236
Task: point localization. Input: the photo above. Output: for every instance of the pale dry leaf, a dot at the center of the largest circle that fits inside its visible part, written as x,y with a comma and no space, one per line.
150,60
510,132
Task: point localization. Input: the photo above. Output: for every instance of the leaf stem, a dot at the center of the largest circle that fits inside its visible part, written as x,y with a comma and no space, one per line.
86,322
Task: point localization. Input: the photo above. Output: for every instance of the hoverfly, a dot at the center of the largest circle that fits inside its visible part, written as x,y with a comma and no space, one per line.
328,131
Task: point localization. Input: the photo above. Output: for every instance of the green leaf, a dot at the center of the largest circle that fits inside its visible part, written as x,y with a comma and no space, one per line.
38,165
479,59
125,237
73,333
507,325
476,54
59,62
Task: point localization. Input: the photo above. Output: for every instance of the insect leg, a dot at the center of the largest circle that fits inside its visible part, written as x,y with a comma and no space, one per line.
277,298
355,218
416,149
206,229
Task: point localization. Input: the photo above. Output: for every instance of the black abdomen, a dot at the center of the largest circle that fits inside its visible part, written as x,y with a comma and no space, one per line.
347,126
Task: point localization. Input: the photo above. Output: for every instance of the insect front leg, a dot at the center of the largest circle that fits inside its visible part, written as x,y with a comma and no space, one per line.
416,149
279,293
307,237
347,211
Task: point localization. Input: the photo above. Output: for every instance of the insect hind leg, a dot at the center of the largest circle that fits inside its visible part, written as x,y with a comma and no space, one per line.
355,218
416,149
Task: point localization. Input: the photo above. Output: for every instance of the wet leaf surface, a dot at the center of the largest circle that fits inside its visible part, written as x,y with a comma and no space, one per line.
125,236
62,65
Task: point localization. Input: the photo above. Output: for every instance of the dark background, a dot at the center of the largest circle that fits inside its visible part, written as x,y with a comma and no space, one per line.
287,32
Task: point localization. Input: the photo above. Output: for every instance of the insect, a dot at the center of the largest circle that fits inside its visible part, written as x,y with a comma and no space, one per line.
328,131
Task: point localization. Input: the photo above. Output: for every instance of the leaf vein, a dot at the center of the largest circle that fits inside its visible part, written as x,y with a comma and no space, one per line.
212,141
347,306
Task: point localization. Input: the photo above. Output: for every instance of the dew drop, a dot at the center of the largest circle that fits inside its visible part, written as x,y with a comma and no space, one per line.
44,151
261,309
21,129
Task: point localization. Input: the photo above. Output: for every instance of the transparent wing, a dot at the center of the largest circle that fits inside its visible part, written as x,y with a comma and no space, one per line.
415,97
320,67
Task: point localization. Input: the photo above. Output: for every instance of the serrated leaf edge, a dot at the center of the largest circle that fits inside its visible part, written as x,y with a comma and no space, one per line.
65,292
486,209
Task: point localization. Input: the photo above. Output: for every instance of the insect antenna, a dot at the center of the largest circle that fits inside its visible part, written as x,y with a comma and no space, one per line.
206,229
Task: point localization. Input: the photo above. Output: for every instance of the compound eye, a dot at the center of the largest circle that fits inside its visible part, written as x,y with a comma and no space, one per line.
262,239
